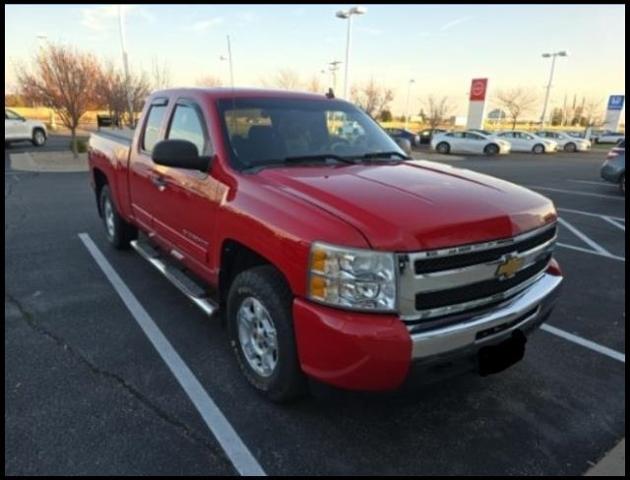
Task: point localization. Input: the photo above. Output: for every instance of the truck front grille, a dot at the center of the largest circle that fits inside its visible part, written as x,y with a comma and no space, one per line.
439,283
487,288
427,265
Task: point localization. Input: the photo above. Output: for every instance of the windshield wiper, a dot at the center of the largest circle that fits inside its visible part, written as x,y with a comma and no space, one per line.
324,156
298,159
385,155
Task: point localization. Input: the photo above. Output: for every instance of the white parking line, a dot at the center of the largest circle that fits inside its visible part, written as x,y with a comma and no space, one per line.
590,182
590,214
590,242
238,453
574,192
613,222
586,250
609,352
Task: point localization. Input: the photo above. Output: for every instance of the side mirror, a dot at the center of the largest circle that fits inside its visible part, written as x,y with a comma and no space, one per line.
179,154
404,144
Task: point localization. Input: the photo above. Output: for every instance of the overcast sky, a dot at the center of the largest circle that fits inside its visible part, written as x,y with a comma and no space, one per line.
441,46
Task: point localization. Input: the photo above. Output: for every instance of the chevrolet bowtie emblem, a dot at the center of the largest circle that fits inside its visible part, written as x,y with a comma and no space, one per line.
508,268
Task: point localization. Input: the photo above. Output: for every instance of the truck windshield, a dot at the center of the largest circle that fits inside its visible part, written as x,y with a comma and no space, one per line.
274,131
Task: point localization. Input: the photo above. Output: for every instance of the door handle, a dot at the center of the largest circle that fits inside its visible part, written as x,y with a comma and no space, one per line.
159,182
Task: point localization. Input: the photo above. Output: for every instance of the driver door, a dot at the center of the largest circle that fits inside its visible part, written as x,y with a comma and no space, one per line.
13,125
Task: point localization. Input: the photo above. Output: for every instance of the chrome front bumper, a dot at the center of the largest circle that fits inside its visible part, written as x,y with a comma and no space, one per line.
522,312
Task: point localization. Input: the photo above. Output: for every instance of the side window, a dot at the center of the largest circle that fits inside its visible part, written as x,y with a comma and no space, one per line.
10,115
152,128
186,125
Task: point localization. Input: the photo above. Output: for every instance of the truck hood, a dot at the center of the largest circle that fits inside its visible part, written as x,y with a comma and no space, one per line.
417,205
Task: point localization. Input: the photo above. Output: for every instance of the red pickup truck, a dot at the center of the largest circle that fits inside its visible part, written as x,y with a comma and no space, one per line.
328,251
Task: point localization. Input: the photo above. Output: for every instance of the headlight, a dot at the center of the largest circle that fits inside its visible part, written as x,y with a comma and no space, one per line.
352,278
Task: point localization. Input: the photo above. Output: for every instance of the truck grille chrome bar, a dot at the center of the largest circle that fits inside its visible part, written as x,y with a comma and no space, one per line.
444,282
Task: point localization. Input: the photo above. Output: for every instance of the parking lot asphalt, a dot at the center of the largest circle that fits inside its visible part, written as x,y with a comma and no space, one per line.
86,393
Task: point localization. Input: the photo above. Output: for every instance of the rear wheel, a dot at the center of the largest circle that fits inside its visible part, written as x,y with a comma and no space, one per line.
570,147
260,329
491,149
118,231
39,137
538,149
443,148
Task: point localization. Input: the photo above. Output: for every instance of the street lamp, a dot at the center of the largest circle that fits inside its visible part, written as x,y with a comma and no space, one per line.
411,80
123,46
561,53
347,15
229,60
43,40
333,67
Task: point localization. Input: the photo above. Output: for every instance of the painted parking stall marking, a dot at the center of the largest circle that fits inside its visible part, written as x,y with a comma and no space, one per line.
609,352
238,453
575,192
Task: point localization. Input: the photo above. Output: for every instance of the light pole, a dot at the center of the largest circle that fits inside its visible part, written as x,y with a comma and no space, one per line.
229,60
561,53
123,45
333,67
347,15
43,39
411,80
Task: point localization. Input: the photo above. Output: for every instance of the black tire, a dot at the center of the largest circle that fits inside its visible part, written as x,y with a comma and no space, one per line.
622,184
265,284
491,150
122,232
538,148
570,147
443,148
38,138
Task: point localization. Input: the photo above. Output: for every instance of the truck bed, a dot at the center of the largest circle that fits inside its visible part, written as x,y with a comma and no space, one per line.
112,145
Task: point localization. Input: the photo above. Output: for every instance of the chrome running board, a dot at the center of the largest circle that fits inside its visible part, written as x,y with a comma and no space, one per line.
177,277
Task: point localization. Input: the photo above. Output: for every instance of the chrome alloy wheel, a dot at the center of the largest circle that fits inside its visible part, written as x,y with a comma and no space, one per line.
257,336
108,211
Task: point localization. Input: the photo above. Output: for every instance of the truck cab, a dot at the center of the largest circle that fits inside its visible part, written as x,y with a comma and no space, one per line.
330,256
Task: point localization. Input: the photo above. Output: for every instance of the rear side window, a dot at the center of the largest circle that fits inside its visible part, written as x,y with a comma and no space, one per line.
152,128
186,125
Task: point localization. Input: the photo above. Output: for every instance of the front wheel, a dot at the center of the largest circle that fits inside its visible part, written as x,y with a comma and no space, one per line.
443,148
570,147
119,232
260,329
491,149
538,149
39,137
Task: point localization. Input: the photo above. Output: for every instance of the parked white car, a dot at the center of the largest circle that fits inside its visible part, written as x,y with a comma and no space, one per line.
609,137
469,142
17,128
528,142
566,142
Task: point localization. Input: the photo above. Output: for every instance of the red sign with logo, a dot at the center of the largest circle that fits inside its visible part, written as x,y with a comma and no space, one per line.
478,89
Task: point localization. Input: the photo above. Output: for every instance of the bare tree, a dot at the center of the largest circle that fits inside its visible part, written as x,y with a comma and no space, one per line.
111,92
372,98
287,79
315,85
138,89
438,110
592,114
161,75
116,94
63,79
209,81
517,102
